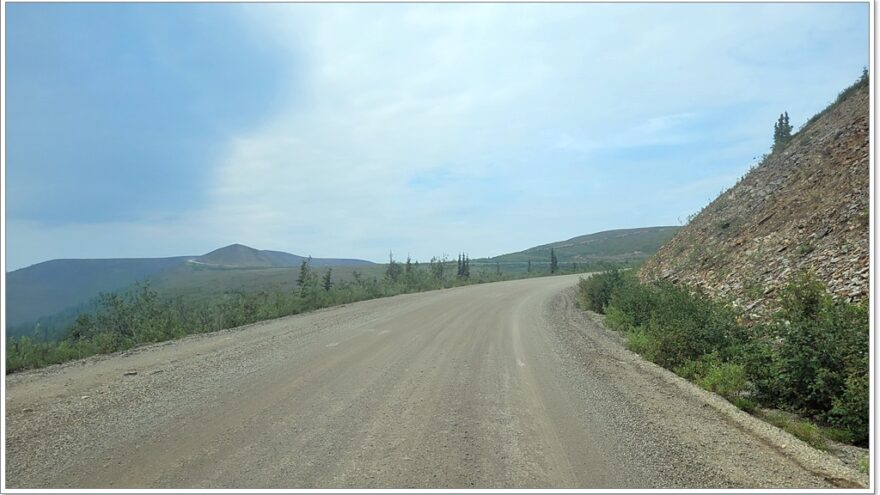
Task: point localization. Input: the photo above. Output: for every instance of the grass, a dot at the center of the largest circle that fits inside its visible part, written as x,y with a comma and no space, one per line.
804,430
746,404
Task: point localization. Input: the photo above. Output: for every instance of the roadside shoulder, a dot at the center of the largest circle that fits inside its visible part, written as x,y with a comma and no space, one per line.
592,332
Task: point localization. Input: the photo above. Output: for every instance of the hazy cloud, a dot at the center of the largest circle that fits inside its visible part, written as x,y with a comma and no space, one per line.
489,128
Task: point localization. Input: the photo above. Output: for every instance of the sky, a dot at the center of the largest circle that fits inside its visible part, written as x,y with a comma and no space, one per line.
352,130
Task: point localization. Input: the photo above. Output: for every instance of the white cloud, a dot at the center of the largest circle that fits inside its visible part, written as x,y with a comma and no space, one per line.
510,101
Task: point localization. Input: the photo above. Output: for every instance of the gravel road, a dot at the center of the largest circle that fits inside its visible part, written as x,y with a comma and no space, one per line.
502,385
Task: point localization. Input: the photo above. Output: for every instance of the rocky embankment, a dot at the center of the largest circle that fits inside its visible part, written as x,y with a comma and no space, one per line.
804,208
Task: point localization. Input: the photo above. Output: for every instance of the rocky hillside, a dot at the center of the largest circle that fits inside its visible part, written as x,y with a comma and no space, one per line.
804,208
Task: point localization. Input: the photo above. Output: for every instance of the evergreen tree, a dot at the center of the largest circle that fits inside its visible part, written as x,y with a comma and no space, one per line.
554,264
437,267
305,274
394,269
466,267
781,132
529,267
460,272
408,266
327,283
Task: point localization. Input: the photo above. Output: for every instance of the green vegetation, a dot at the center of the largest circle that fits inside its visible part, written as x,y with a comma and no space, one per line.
120,321
781,132
624,247
862,82
811,358
464,266
53,286
805,430
54,292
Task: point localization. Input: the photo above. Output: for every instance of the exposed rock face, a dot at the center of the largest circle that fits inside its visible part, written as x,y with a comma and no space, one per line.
804,208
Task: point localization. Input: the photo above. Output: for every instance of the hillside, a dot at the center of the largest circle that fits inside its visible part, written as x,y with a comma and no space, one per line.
623,245
804,208
198,282
54,286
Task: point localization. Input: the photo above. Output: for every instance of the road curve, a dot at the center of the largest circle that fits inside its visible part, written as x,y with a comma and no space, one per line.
501,385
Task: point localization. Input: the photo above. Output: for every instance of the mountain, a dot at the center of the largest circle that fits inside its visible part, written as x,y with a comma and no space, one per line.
241,256
623,245
804,208
54,286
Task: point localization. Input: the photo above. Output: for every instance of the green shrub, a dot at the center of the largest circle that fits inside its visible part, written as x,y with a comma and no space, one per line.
746,404
640,343
682,326
618,319
690,370
725,379
595,291
810,358
822,350
851,408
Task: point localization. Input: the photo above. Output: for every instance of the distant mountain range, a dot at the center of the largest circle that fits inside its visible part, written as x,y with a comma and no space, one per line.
57,285
63,288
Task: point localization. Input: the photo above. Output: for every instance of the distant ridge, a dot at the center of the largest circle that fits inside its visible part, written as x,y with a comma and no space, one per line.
621,245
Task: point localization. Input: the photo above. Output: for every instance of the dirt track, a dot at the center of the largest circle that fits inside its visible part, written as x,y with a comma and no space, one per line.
491,386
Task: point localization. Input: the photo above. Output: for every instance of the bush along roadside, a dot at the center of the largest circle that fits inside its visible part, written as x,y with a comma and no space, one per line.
810,358
124,320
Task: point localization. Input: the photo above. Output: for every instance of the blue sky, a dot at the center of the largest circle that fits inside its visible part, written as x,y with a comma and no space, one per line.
138,130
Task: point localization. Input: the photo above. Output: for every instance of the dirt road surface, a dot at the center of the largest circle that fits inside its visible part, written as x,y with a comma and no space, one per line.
502,385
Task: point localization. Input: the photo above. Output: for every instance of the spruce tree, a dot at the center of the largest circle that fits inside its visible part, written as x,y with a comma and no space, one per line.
327,283
781,132
529,267
393,271
304,276
554,264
